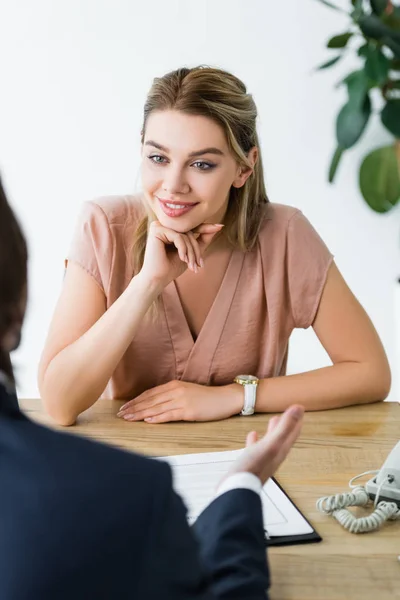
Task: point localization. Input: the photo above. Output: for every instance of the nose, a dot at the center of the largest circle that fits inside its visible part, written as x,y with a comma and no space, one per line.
174,181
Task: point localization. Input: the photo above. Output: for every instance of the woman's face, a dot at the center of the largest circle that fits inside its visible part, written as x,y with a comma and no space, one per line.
187,170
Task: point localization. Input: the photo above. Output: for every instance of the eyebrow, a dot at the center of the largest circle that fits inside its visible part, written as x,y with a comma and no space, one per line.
210,150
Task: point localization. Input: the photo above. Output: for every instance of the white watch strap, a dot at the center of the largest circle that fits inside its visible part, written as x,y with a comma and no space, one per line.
250,395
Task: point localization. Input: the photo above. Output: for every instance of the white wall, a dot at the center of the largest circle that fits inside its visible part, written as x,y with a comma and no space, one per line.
74,76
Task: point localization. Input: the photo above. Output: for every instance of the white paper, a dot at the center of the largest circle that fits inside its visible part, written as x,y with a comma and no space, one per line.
196,477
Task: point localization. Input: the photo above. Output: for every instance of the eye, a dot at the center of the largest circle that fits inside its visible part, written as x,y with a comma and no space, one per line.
201,165
157,159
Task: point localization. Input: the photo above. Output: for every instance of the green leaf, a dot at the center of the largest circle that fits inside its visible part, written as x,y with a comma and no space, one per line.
362,51
358,10
332,6
379,179
335,163
379,6
390,117
339,41
393,19
394,46
376,65
357,87
329,63
351,122
372,27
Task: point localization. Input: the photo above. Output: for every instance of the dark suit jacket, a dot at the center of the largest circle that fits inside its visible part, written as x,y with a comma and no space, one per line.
83,521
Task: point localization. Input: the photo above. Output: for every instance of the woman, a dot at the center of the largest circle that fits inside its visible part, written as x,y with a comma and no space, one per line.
59,538
227,276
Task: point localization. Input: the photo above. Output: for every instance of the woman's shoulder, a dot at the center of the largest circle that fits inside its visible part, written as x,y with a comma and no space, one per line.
116,210
279,215
276,222
103,236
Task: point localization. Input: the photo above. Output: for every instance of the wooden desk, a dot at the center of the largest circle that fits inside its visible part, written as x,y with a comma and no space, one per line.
334,446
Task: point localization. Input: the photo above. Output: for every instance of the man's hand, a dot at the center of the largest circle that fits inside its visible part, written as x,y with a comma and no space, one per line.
263,457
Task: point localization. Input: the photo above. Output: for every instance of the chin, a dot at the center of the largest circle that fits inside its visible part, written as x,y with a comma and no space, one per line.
181,225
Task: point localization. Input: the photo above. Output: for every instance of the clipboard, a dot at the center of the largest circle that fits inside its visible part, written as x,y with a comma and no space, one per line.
196,477
290,540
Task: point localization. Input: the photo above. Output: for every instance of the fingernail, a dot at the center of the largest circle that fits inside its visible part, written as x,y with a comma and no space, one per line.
148,419
219,225
296,412
129,417
201,263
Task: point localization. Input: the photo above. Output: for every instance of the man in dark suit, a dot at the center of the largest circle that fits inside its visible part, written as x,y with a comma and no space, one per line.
81,520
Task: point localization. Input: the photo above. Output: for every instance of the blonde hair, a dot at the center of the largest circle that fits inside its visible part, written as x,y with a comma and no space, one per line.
223,98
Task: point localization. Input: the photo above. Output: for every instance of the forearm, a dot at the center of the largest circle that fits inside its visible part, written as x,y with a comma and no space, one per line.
341,384
78,375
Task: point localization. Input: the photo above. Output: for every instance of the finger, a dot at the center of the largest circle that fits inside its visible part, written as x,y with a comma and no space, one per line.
191,254
167,417
196,249
151,393
208,228
149,404
207,232
126,406
153,411
251,438
285,433
180,245
134,401
144,396
289,421
272,423
171,237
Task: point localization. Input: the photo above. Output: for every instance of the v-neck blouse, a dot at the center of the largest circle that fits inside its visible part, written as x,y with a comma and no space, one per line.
264,295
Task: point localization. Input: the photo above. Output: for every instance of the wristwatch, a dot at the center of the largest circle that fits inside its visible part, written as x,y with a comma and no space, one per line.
250,383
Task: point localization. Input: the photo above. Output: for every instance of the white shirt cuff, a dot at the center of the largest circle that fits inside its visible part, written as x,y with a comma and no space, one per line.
244,481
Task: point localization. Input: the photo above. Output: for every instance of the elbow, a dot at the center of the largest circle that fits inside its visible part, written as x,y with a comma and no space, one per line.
385,384
58,411
64,420
380,382
56,406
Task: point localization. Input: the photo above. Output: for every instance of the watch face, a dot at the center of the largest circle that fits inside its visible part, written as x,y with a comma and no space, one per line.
247,379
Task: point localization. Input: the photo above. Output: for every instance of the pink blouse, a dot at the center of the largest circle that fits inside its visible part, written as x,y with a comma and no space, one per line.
264,295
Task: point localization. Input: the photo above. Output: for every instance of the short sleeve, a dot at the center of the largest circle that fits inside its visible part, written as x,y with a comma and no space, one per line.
308,263
92,244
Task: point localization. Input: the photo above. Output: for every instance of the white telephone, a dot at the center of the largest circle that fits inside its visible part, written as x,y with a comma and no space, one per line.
386,485
384,489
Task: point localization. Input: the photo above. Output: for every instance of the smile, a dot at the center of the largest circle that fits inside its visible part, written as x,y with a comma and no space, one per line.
175,205
176,209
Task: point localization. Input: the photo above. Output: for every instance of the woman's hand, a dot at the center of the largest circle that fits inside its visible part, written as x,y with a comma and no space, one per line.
182,401
169,253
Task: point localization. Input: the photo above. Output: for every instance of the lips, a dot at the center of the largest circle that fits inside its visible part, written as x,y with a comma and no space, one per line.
176,209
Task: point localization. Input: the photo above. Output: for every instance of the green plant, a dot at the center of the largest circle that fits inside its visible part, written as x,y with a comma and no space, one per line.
374,34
